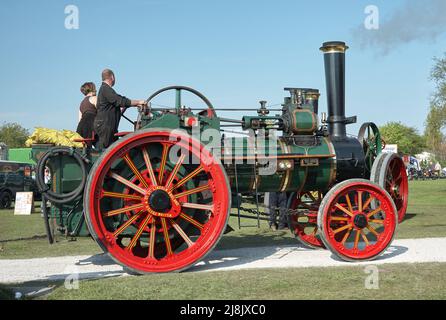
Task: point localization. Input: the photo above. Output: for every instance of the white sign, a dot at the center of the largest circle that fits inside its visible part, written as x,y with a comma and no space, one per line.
24,203
391,148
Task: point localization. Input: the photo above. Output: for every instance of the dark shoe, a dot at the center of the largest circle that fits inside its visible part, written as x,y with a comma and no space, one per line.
228,229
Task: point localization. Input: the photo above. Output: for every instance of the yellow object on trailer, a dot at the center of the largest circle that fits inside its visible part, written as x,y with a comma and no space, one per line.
53,136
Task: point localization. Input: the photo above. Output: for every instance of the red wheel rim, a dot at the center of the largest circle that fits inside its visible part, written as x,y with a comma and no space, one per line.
170,232
304,221
352,228
397,185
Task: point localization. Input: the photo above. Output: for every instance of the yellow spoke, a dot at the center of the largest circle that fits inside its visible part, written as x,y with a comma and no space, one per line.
364,237
358,233
152,239
337,205
367,203
372,230
197,206
349,203
339,219
377,221
342,228
127,224
191,220
163,163
181,232
372,213
188,177
149,166
135,170
122,210
166,236
191,191
347,234
127,183
175,171
139,232
120,195
360,201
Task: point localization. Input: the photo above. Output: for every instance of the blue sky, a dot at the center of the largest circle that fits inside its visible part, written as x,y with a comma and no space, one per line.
235,52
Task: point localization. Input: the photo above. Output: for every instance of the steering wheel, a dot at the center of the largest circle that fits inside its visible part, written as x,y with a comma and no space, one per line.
208,112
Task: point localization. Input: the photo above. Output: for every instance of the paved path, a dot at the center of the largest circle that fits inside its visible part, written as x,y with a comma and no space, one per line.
58,268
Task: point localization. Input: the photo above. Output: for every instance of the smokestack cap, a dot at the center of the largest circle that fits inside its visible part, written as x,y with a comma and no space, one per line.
333,47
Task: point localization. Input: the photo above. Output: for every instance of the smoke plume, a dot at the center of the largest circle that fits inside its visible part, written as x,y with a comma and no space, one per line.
415,21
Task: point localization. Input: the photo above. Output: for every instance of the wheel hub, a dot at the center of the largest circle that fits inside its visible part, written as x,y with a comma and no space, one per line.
159,201
360,221
395,189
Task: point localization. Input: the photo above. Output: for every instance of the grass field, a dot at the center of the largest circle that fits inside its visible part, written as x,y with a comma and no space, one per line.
426,217
23,237
396,281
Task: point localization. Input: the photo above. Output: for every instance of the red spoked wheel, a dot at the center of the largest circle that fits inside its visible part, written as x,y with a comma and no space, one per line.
157,201
303,221
350,227
389,171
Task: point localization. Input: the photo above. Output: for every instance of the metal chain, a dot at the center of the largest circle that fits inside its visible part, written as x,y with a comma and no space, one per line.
288,212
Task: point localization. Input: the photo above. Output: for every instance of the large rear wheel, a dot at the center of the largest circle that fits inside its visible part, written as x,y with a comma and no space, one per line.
303,220
389,171
157,201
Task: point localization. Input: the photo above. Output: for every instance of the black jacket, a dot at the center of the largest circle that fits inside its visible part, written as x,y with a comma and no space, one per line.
109,106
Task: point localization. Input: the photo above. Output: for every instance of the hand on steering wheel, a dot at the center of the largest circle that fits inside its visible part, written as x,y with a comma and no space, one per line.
209,111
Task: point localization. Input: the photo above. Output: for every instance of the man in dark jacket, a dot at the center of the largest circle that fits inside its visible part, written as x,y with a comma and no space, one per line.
109,107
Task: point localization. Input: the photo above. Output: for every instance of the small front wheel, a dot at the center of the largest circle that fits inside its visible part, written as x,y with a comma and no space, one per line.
350,226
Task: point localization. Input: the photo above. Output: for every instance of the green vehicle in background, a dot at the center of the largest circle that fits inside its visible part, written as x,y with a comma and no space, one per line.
15,177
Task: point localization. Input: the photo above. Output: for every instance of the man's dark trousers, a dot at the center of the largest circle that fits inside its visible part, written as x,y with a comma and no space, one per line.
278,200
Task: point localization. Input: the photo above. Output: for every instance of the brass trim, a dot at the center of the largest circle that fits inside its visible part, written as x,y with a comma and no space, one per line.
286,177
285,157
312,96
334,48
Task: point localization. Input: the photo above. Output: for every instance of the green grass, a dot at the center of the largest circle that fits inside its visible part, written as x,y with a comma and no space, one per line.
426,217
396,281
426,213
24,237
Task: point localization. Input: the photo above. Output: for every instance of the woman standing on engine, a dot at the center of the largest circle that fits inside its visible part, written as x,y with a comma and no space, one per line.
87,111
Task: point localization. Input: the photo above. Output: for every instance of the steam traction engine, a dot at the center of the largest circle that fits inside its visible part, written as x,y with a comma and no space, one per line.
159,198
